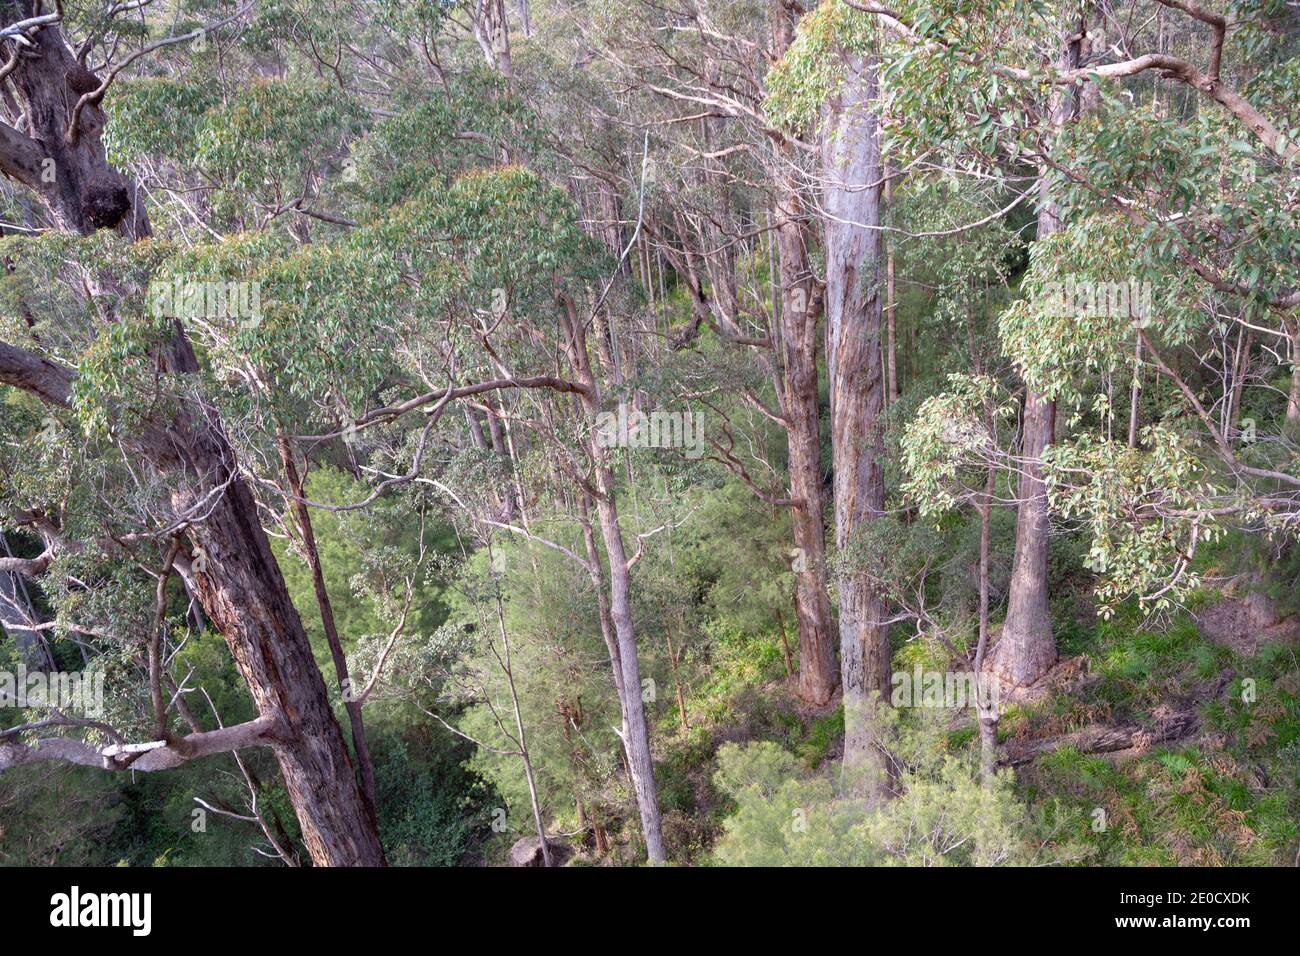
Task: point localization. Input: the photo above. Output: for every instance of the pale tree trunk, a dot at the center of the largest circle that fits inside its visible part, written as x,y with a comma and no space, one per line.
1135,395
1293,400
525,757
492,30
851,169
1027,647
623,651
1241,369
635,729
986,707
891,302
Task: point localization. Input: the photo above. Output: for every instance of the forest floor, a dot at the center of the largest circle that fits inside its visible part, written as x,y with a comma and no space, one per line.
1177,744
1173,742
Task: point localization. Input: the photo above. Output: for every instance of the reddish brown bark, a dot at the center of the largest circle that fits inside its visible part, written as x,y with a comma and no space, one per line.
234,573
801,307
365,765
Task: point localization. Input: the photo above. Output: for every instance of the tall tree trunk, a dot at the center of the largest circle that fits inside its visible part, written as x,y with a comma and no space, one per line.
635,731
356,721
985,703
851,170
891,301
63,164
234,575
802,412
800,302
244,595
1027,647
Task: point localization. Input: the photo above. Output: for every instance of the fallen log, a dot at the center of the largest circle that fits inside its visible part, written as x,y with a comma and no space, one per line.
1102,738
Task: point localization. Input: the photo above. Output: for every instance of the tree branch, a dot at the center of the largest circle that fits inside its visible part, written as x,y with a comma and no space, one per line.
1170,66
148,757
97,94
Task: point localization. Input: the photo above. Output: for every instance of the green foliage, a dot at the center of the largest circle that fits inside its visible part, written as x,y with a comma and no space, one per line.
809,74
952,433
156,117
411,220
433,811
943,817
1109,485
272,135
438,137
366,558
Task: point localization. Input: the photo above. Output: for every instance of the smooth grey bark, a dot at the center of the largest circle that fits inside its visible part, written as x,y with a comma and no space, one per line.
635,732
1027,647
852,173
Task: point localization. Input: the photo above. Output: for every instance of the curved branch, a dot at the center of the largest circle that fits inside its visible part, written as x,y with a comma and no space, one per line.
97,94
1170,66
151,756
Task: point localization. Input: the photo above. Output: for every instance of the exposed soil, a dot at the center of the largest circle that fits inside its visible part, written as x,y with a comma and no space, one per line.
1246,623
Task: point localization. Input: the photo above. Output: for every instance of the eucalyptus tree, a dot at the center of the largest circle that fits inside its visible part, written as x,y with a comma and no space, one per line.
725,204
852,186
829,84
200,510
337,327
1108,102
